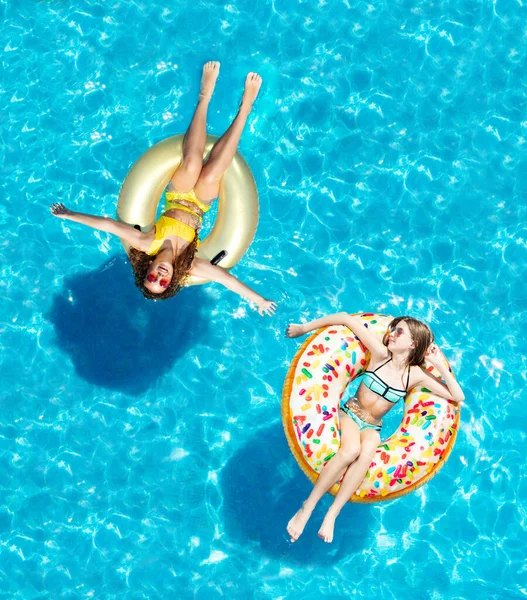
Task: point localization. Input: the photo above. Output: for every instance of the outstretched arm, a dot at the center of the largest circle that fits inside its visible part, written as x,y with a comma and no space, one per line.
132,236
203,268
371,341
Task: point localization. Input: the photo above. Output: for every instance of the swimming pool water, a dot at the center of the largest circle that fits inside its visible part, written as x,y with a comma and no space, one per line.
141,446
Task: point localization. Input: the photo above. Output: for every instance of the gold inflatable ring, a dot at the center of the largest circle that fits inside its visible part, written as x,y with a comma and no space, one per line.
237,218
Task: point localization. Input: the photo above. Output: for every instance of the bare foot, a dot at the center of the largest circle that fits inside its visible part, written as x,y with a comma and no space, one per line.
211,70
326,529
293,330
296,525
253,82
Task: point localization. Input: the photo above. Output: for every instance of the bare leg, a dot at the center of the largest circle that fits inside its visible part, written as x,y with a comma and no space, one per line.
186,175
370,439
208,186
349,450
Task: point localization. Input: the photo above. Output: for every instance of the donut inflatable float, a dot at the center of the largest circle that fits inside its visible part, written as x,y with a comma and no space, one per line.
322,368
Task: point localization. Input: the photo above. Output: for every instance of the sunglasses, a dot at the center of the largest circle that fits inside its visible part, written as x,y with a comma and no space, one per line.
398,331
163,282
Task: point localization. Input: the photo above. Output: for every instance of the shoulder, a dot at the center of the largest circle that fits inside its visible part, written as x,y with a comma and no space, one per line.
378,359
417,375
203,268
142,241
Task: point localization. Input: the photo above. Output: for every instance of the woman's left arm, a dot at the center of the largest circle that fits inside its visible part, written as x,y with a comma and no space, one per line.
450,388
203,268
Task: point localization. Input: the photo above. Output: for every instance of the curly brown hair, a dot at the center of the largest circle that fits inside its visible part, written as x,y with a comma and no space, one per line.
182,264
422,337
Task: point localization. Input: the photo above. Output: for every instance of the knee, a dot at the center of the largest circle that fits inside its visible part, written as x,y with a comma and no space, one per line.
349,454
193,164
367,452
209,175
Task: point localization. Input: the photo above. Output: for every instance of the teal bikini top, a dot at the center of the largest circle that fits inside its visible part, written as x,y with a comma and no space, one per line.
376,384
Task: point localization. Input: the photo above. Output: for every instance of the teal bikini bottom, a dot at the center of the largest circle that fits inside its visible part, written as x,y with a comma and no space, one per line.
358,421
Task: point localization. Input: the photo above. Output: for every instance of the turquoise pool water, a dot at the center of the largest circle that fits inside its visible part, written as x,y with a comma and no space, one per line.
141,446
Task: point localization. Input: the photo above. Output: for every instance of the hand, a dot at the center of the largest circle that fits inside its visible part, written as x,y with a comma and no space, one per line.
267,307
294,330
59,210
435,357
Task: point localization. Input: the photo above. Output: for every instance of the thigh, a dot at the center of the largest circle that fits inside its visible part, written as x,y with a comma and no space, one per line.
350,434
185,177
207,189
369,442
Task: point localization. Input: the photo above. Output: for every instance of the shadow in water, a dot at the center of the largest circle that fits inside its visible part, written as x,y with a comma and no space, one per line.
263,487
116,338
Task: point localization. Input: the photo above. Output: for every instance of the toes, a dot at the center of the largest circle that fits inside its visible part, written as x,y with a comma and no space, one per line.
327,538
212,65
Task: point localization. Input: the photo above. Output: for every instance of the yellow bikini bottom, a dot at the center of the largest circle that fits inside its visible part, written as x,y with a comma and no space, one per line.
171,199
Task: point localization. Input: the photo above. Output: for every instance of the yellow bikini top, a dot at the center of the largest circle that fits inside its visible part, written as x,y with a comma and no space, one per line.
167,226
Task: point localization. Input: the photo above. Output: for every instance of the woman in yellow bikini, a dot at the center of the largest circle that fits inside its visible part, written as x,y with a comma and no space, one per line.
163,258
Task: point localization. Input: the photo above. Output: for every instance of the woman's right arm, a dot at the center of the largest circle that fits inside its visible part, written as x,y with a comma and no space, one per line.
203,268
356,324
134,237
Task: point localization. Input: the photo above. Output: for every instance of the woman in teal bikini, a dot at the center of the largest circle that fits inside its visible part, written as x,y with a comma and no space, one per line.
395,368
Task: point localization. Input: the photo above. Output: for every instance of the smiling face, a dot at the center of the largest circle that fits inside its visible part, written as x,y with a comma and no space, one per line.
158,276
400,338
